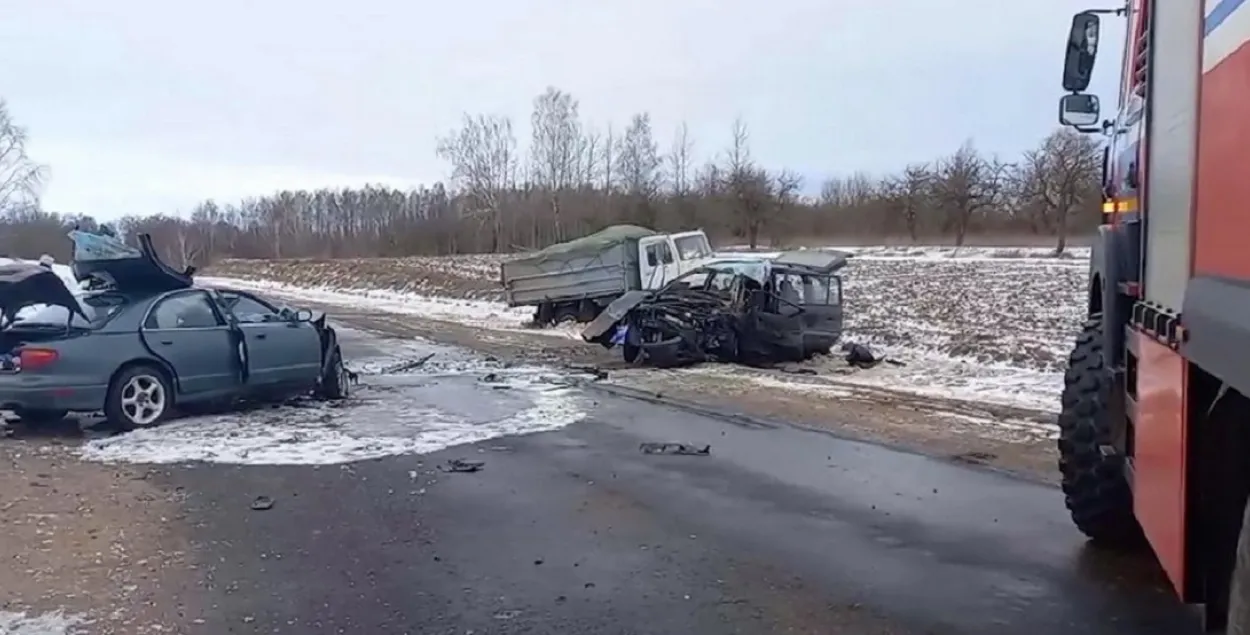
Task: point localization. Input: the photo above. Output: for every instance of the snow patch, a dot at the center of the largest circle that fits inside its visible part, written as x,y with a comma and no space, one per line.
495,316
54,623
392,415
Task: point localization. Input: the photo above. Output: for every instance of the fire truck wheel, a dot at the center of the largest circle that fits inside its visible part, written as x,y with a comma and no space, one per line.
1239,592
1096,490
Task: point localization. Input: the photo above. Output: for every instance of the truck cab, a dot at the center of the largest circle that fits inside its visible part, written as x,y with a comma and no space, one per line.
664,257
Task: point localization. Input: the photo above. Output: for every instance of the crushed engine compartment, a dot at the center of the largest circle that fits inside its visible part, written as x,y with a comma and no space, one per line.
745,311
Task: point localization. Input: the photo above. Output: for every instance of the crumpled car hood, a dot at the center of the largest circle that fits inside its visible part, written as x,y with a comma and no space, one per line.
23,285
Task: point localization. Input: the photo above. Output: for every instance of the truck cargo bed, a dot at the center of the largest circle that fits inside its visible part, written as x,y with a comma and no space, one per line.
538,279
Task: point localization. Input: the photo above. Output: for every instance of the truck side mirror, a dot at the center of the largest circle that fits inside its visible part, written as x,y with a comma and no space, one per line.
1078,65
1079,110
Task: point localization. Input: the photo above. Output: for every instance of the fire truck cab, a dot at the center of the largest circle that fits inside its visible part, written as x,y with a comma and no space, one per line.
1155,423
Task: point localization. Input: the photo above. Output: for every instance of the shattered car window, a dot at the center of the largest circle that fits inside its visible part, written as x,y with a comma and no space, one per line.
98,308
248,310
800,289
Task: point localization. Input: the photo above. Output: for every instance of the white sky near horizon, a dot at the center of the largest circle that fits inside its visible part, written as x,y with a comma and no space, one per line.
144,107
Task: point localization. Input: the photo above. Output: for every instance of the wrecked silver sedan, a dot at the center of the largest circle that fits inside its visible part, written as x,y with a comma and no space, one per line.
752,311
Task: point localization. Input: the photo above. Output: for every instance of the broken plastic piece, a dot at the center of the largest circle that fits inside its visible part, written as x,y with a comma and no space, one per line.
675,448
462,465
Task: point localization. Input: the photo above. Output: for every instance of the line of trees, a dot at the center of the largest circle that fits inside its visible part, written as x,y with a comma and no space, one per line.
571,179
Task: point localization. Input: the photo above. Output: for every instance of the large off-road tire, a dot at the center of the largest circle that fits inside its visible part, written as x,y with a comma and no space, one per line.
1239,587
1096,489
139,397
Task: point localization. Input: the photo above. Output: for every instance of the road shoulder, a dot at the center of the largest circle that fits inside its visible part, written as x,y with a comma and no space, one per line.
87,544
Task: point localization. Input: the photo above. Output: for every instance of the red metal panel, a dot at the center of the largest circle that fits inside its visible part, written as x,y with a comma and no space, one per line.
1221,223
1159,453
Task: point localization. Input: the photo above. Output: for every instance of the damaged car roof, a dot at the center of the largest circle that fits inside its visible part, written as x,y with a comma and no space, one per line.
817,260
125,268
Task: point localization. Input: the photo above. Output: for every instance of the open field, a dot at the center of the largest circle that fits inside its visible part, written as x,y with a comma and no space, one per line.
978,323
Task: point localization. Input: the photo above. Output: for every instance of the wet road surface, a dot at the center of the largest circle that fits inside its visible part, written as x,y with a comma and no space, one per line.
779,530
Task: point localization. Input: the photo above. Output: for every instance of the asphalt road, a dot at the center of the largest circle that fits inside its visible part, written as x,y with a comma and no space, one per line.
779,530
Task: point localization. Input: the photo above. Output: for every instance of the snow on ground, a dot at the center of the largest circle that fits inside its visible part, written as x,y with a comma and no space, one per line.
977,323
55,623
392,412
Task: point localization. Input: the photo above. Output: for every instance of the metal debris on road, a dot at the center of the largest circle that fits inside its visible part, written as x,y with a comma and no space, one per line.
675,448
262,503
462,465
407,366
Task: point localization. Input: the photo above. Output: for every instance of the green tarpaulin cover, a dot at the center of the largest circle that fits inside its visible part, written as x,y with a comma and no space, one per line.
593,243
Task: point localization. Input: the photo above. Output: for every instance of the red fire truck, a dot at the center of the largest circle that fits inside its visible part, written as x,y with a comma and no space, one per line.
1155,425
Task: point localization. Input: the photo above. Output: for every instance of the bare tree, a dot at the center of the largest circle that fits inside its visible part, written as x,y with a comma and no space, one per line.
967,184
680,159
483,156
638,162
20,177
555,149
1060,177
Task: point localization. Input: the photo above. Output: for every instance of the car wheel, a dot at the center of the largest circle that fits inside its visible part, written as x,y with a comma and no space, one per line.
37,417
336,384
140,397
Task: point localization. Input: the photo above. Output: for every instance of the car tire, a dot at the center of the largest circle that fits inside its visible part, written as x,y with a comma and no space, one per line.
1095,487
38,417
336,384
139,397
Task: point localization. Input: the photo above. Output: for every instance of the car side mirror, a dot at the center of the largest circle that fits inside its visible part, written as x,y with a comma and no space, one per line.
1079,110
1078,64
303,315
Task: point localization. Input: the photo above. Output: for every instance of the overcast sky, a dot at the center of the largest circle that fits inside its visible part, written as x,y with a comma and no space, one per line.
148,106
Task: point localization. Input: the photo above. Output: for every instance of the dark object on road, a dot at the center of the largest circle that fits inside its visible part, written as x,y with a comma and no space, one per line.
462,465
675,448
749,311
861,356
407,366
262,503
144,340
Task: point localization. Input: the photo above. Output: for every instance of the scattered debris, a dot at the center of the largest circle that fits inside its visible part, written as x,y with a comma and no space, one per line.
675,448
799,371
262,503
462,465
407,365
861,356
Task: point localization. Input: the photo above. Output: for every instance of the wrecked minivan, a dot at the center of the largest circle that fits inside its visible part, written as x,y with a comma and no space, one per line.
751,311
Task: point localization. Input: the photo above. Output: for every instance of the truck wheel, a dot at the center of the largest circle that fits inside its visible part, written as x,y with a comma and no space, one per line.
587,311
543,315
1239,587
1096,490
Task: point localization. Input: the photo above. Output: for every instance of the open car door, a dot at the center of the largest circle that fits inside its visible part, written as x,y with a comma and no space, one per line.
107,259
